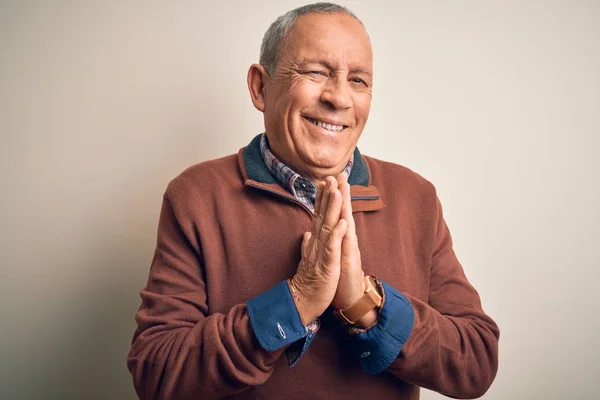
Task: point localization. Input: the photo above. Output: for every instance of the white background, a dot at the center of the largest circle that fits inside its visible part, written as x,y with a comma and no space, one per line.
103,102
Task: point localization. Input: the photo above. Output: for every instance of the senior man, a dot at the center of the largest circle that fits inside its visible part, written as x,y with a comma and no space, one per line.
300,268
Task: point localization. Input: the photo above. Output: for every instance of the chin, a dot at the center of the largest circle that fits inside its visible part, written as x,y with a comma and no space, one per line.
325,161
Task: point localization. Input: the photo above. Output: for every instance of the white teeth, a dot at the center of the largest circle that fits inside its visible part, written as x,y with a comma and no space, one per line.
329,127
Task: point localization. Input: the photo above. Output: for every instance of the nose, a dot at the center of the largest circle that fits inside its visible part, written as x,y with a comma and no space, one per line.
336,94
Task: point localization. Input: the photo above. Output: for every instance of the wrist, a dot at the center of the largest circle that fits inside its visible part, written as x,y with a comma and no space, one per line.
307,314
349,297
364,312
367,320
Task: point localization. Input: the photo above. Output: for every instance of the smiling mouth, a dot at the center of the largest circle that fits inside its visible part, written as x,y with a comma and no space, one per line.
324,125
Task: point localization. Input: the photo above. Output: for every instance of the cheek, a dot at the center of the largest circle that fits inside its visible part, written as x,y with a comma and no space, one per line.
362,105
304,94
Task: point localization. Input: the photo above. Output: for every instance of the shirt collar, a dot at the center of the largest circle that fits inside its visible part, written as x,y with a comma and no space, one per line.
284,175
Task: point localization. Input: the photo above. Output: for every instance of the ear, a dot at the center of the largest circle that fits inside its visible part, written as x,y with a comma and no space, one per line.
257,76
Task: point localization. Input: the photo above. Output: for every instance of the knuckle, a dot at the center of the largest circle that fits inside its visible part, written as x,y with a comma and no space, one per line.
329,248
326,229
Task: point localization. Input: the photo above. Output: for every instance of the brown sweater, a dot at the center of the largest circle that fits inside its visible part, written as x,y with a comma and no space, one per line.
228,232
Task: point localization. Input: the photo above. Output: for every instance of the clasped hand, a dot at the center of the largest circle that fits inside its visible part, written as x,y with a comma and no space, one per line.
330,271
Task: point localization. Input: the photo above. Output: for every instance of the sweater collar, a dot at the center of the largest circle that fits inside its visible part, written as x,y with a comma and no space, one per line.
365,197
252,162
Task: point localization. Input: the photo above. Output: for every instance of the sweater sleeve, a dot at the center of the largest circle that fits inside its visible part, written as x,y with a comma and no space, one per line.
178,350
453,345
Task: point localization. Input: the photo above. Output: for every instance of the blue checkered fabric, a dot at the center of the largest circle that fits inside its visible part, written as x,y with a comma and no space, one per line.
301,188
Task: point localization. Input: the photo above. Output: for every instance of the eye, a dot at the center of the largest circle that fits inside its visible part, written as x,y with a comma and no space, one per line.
358,81
315,73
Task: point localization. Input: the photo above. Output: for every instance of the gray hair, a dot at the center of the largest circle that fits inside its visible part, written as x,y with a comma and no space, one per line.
278,31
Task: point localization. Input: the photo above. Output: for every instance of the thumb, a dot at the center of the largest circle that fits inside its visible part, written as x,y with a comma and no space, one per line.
305,239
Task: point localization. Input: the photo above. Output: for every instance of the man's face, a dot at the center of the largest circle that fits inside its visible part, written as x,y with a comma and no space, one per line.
317,101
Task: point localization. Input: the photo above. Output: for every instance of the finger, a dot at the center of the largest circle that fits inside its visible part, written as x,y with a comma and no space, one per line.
342,178
350,241
338,232
350,250
346,199
334,244
323,205
319,196
344,187
347,207
332,216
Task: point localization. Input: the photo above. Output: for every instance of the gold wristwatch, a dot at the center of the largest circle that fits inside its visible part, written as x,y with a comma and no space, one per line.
371,299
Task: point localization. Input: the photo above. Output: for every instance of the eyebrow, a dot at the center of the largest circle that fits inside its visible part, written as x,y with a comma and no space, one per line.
328,65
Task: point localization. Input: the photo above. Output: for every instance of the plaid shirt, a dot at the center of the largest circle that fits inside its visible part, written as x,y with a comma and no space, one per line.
301,188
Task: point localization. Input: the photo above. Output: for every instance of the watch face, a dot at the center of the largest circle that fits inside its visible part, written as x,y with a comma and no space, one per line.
372,284
375,289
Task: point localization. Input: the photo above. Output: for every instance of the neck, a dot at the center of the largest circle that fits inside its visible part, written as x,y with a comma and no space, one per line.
314,173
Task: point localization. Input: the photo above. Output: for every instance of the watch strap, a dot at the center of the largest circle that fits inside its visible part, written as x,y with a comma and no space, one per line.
366,303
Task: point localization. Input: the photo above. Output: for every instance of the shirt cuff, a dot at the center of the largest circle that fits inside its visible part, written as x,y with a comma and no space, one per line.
377,347
296,350
276,321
